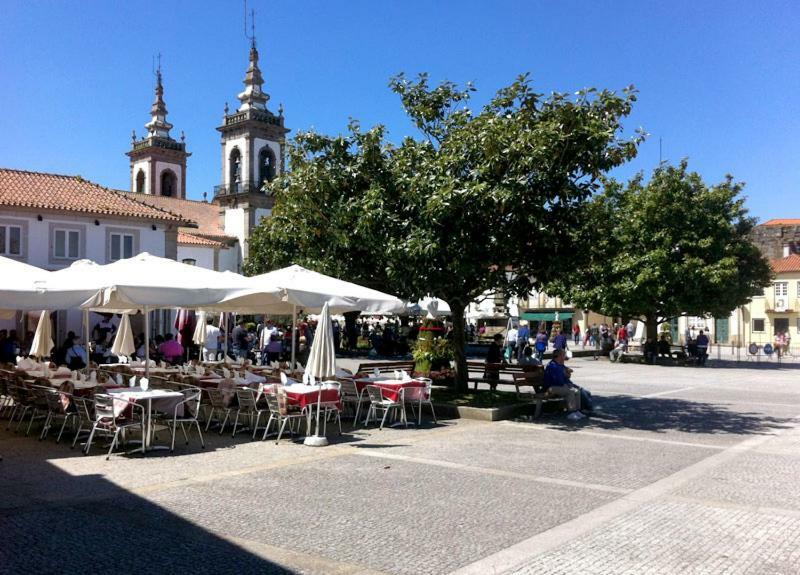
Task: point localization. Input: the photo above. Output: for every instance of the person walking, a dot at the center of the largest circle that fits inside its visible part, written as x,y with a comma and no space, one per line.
523,335
576,334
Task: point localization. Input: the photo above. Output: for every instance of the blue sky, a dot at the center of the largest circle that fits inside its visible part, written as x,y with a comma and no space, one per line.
719,81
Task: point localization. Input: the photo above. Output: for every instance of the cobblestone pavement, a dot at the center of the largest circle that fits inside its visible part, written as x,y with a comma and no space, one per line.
682,471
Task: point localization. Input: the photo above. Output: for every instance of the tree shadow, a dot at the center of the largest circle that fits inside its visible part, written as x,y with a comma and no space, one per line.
662,415
58,523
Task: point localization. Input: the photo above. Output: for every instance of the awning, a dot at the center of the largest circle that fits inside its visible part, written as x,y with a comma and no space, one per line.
545,315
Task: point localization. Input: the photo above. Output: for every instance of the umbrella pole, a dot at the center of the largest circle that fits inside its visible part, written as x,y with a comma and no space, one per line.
86,336
317,440
294,333
146,343
225,347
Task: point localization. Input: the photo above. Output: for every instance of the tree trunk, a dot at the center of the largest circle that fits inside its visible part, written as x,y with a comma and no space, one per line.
459,341
652,327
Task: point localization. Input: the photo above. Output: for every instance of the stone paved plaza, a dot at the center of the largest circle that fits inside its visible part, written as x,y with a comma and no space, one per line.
683,470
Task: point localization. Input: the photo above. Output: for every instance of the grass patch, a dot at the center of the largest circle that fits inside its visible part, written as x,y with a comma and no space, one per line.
482,398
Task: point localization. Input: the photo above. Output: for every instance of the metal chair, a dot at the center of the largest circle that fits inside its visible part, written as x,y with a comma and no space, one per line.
191,410
60,407
378,402
218,406
248,408
20,403
331,408
84,412
419,396
111,424
280,413
350,396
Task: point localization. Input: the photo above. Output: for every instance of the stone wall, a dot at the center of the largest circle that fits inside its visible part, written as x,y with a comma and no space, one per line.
771,239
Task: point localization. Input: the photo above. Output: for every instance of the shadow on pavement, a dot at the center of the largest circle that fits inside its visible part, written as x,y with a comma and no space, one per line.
54,522
660,415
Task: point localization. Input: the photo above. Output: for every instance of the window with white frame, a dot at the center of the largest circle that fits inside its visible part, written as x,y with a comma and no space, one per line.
10,240
121,246
66,244
781,289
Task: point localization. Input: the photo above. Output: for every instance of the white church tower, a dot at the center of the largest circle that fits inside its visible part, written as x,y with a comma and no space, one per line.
253,142
158,162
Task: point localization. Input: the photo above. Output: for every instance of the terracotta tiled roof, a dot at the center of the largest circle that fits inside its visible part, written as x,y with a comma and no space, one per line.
207,216
193,240
788,264
74,194
783,222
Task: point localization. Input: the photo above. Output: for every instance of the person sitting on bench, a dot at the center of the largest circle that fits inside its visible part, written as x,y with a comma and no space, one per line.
557,382
663,347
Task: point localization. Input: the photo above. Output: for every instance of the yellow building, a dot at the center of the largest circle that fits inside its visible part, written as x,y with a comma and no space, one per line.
778,309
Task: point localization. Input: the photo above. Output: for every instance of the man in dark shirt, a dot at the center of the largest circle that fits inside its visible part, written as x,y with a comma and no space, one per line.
702,348
240,340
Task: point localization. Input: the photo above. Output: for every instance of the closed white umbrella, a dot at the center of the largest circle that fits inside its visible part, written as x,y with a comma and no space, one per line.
199,335
321,365
123,341
43,338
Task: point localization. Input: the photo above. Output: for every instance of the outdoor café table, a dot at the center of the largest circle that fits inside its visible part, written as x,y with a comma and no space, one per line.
164,400
391,387
306,396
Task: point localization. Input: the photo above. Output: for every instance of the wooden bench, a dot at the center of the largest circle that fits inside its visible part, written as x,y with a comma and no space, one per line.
491,372
386,366
538,395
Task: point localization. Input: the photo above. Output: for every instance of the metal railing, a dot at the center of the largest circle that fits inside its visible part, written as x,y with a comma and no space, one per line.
245,187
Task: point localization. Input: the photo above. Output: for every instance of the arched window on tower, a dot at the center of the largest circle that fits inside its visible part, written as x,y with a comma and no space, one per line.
235,170
266,165
140,182
169,183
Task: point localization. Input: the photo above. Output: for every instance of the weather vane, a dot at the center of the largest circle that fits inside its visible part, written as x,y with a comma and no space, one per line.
252,35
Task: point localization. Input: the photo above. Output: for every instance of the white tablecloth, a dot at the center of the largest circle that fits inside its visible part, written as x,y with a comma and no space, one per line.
161,399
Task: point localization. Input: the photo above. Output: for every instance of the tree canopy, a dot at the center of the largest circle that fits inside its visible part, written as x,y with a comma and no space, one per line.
666,247
448,213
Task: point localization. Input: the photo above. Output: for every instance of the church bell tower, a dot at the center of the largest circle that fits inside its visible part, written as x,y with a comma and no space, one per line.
158,162
253,145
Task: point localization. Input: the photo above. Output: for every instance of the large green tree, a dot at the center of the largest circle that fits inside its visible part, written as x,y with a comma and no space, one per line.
450,213
665,247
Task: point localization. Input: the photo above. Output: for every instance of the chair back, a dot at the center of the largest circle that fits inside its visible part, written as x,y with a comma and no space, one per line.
54,404
84,408
39,396
104,407
272,403
348,389
192,402
375,394
414,393
247,399
216,398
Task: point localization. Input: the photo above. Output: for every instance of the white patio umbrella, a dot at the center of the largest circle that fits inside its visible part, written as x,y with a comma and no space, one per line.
301,288
321,365
123,341
145,282
199,335
23,288
43,338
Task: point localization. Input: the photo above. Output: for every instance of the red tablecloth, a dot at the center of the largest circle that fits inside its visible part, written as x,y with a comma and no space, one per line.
305,395
391,387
